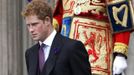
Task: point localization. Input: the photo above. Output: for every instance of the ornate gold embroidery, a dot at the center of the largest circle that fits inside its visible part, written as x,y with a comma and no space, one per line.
125,16
115,1
55,24
121,48
95,35
95,6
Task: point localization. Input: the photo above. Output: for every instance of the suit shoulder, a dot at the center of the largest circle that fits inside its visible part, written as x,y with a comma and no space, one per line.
32,48
71,41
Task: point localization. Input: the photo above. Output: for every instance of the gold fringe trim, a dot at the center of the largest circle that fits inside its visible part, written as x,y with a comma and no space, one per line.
121,48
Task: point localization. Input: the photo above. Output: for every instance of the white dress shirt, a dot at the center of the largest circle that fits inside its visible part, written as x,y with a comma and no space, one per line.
48,43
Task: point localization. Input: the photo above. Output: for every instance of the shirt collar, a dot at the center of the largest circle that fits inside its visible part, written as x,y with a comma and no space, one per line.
49,39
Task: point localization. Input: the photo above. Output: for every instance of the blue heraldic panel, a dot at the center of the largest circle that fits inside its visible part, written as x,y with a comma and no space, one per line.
120,16
66,25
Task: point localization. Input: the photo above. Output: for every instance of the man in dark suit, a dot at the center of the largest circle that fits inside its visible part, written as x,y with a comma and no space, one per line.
59,55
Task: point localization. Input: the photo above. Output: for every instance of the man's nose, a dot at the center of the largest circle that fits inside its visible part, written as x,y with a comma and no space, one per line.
31,29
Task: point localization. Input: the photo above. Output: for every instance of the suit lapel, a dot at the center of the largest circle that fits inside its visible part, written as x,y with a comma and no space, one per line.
54,52
34,60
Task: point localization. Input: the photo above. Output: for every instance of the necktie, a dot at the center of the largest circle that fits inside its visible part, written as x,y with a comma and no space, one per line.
41,57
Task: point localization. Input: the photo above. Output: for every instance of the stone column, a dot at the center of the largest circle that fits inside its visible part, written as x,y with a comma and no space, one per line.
130,69
10,39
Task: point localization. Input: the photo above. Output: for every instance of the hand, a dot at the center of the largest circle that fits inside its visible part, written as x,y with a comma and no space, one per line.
119,65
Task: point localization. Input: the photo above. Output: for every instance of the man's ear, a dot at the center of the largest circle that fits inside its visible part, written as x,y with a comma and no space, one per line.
47,20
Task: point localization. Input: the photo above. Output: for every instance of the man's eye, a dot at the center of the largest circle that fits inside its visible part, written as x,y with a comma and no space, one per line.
34,24
28,25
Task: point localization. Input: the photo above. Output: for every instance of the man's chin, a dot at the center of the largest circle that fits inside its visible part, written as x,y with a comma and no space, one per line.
35,39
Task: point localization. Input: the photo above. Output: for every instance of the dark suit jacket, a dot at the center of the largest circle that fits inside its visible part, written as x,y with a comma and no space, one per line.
67,57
